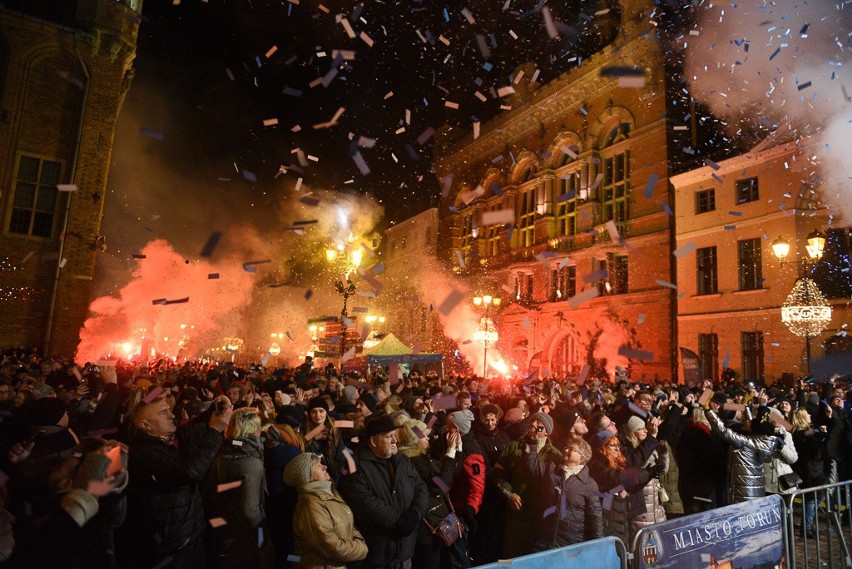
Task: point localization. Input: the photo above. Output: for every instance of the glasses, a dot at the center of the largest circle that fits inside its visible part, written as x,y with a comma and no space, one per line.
538,428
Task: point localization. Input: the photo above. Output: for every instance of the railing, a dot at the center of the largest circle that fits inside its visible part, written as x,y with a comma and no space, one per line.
823,540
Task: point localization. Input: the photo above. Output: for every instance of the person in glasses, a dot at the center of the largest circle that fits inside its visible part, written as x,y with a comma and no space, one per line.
516,478
621,484
570,505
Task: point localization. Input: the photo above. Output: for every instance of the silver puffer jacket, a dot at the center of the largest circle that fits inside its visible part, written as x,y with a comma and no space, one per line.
746,455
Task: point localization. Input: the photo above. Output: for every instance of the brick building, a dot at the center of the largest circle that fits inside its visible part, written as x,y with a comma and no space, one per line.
732,285
65,68
579,167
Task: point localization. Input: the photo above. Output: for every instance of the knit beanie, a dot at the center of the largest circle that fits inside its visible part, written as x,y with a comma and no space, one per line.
464,419
317,403
290,415
298,471
601,438
350,394
369,399
634,423
545,420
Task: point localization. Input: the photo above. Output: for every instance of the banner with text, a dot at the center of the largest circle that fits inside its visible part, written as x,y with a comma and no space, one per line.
691,367
748,534
599,553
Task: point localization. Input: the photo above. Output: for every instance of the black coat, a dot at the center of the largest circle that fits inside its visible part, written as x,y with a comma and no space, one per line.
701,459
571,513
164,506
811,465
379,502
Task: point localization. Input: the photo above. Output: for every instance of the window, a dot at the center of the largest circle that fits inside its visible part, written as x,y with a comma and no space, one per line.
616,187
708,356
36,197
492,236
523,287
747,190
752,345
705,201
751,266
706,260
563,283
526,226
566,209
619,273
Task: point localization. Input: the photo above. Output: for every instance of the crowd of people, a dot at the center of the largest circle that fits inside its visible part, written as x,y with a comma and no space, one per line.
165,465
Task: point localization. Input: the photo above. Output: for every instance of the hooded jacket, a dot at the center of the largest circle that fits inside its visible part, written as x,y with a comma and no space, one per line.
325,531
746,478
571,509
244,540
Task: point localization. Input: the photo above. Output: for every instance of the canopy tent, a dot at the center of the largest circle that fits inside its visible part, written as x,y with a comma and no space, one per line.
390,350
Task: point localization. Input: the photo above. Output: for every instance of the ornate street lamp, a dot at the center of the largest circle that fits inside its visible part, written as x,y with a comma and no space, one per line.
344,264
487,333
806,313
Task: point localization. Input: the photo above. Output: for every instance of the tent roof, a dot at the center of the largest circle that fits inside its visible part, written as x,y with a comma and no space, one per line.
390,345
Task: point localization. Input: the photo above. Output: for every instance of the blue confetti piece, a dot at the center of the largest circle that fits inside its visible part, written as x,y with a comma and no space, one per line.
736,213
250,176
774,53
446,15
308,294
804,86
487,66
155,134
649,187
730,227
726,360
667,208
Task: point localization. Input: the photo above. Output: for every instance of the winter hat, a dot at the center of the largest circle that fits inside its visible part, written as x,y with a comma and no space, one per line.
377,425
566,415
634,423
545,420
369,399
719,398
514,415
47,411
411,433
463,420
317,402
761,425
290,415
601,438
350,394
298,471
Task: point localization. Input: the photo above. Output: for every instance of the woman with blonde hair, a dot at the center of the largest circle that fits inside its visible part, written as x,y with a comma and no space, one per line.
811,449
324,527
234,492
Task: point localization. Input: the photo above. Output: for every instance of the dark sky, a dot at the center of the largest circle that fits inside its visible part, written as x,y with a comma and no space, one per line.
186,51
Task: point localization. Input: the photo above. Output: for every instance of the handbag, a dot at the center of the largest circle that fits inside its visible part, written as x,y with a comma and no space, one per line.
448,529
789,481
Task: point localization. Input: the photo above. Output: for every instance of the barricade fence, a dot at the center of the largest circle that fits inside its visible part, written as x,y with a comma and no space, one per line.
810,528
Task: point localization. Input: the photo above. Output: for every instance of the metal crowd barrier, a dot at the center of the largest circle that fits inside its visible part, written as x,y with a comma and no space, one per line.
604,553
827,542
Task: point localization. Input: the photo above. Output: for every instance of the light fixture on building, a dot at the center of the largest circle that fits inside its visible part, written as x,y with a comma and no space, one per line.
487,333
274,349
816,244
474,232
781,247
806,313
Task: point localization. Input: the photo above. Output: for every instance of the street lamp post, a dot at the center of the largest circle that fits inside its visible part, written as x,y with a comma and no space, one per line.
487,333
805,312
346,264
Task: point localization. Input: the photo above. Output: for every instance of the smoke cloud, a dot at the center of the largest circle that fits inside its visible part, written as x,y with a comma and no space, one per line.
781,64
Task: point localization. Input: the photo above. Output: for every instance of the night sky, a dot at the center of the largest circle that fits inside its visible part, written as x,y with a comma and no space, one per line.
188,51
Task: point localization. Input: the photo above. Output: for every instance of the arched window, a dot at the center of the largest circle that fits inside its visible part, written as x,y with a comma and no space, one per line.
565,359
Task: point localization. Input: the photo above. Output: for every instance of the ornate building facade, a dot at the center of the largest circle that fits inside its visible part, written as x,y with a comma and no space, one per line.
561,206
732,284
65,68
